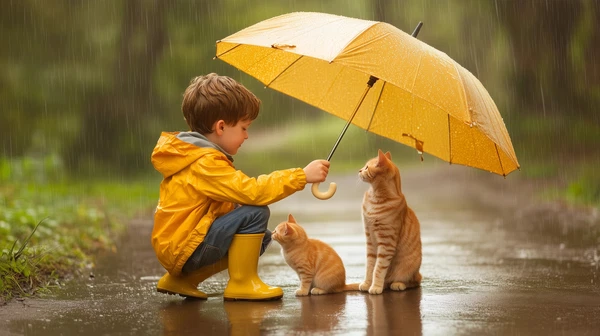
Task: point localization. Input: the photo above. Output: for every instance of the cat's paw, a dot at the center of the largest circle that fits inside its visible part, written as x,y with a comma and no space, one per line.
301,292
317,291
375,289
364,286
398,286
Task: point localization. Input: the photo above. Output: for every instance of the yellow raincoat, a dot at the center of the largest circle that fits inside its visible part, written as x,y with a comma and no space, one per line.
200,184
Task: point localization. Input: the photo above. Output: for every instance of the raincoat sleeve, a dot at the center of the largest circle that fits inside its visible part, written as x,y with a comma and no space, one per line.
218,179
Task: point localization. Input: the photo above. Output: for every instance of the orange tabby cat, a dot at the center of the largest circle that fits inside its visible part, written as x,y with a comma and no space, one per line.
317,264
391,227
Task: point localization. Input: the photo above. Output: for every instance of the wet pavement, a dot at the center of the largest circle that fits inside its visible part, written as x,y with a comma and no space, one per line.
494,262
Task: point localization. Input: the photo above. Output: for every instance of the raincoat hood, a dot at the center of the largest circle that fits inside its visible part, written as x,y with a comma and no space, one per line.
177,150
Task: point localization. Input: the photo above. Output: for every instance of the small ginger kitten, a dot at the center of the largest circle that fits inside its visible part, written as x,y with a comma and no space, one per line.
392,230
318,266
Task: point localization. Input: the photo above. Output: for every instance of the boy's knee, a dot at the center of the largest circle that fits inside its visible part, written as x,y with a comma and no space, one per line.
256,219
263,212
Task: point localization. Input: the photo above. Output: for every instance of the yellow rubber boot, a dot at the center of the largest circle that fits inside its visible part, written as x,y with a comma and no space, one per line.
244,283
187,285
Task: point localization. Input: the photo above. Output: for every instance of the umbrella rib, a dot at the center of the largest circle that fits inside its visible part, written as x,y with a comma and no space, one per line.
462,85
412,89
471,120
217,56
499,160
343,49
498,119
449,141
365,43
514,159
376,105
497,152
284,70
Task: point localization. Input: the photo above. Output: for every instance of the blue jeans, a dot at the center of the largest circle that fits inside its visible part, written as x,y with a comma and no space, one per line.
246,219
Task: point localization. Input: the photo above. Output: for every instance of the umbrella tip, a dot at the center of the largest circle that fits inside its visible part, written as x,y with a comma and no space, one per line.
417,29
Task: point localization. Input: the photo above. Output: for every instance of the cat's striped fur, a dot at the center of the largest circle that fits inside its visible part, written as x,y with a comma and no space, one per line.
391,228
318,266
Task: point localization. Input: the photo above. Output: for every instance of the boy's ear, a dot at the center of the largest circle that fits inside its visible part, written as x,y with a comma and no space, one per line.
219,127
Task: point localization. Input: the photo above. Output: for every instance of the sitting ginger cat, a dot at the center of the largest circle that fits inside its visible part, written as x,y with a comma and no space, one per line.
391,227
318,266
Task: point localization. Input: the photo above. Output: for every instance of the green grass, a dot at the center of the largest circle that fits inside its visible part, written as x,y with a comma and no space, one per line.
582,185
50,231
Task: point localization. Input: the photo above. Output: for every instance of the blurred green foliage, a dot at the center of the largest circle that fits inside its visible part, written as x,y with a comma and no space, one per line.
75,220
94,82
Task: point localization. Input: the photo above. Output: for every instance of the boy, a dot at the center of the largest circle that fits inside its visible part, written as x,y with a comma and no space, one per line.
211,216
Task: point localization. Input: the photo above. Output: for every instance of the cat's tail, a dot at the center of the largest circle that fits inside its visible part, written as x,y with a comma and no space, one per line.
351,287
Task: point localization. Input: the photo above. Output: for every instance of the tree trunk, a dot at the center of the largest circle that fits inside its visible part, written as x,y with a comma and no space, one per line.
112,131
544,36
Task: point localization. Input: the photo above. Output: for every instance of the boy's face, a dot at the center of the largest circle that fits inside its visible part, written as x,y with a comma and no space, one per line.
231,138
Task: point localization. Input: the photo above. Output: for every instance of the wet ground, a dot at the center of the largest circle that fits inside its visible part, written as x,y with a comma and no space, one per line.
495,262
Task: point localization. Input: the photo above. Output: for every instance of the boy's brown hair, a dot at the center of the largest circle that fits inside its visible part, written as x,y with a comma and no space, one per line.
212,97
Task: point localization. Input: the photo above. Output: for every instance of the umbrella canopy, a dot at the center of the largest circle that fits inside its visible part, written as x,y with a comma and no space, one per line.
421,98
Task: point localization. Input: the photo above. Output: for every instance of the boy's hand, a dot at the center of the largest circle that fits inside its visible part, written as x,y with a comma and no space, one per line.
316,171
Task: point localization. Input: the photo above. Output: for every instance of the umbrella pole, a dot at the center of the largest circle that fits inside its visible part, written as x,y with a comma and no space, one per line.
370,83
372,79
332,186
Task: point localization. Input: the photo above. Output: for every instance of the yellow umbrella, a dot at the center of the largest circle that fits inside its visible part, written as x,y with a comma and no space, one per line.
379,78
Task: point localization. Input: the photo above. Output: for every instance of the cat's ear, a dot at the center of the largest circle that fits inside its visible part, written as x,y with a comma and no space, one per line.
291,219
380,156
388,155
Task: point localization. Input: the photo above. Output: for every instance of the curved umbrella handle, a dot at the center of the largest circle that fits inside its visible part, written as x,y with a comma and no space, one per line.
323,195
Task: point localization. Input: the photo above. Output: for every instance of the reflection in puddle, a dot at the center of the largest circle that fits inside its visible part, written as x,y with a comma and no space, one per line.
246,318
321,312
191,317
394,313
